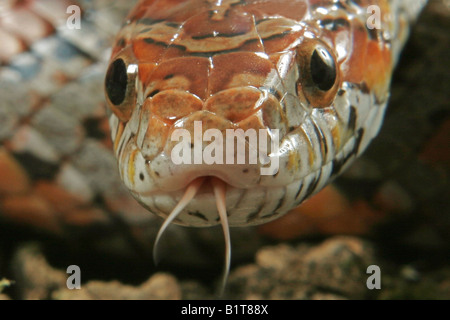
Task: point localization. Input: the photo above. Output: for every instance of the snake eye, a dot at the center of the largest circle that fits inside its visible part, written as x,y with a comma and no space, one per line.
120,87
323,69
319,78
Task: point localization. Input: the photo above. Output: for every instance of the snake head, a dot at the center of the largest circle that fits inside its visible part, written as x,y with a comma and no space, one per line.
181,78
309,78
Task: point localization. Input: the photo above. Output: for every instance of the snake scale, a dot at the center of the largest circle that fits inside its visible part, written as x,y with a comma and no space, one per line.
313,71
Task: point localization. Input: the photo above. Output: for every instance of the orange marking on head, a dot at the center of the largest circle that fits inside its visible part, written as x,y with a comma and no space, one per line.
286,8
148,52
171,105
187,73
145,71
119,133
131,167
378,69
235,104
238,69
202,25
354,66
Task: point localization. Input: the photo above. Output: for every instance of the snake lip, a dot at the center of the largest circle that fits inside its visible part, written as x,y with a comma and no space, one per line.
177,177
207,187
204,190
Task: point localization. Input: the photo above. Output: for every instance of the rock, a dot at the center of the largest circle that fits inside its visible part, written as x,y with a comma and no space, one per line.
4,283
334,269
4,297
339,265
193,290
160,286
34,277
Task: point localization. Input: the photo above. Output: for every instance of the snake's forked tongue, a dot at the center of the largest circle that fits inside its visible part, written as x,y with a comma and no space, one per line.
219,188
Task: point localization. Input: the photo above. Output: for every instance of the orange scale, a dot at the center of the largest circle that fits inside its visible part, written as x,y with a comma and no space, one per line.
275,57
204,25
378,71
174,104
353,67
253,45
171,10
272,114
252,122
238,69
286,8
186,73
174,51
148,52
120,43
282,42
145,71
155,137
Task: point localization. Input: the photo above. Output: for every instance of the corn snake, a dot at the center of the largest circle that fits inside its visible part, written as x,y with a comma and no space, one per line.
304,192
315,71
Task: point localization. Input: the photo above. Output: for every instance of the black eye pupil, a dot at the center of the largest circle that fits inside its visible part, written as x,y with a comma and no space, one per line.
116,82
323,69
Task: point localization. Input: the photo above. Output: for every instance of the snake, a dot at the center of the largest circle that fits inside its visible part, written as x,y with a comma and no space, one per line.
312,74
